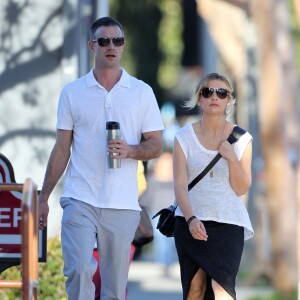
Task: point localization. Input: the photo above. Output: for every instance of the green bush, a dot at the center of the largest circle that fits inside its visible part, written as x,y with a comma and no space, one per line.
277,296
51,278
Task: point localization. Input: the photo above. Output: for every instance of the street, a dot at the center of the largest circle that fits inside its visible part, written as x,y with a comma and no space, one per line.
147,282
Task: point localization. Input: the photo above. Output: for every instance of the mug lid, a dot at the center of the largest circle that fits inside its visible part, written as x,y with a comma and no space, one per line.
112,125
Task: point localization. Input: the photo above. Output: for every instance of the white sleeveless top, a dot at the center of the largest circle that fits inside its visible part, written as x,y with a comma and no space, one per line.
213,198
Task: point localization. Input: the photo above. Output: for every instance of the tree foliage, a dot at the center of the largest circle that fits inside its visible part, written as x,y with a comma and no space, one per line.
153,41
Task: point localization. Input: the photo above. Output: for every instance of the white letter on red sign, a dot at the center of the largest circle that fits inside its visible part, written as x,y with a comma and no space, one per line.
17,216
4,217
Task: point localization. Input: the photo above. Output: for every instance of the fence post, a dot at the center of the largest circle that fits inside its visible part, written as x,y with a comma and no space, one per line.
29,231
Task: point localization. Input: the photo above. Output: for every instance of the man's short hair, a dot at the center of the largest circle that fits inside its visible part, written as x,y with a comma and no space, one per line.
104,21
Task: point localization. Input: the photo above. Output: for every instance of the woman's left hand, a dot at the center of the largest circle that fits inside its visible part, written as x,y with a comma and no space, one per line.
227,150
198,231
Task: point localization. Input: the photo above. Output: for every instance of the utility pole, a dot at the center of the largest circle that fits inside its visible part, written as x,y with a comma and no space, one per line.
102,8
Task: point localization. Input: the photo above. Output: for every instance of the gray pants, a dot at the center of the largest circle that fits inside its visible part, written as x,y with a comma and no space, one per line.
114,230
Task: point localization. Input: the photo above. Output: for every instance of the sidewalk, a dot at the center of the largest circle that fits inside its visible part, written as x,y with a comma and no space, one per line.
147,282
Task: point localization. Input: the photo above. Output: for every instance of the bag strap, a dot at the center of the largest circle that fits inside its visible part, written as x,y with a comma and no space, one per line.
236,133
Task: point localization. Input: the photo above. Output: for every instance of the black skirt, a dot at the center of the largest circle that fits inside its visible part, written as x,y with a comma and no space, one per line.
219,257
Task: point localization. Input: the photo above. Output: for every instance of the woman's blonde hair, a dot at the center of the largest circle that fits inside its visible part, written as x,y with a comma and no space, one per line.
192,102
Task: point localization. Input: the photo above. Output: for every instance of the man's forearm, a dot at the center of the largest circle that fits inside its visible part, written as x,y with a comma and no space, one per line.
55,169
147,150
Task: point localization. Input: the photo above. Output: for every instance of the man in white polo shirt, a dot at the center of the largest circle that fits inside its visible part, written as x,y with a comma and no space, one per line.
99,203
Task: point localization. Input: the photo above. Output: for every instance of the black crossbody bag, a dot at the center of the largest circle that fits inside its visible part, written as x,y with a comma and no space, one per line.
166,219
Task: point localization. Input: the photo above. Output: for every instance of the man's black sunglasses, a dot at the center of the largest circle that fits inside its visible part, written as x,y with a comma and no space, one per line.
208,92
104,42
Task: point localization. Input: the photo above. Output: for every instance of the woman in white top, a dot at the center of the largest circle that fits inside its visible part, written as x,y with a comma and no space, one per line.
212,221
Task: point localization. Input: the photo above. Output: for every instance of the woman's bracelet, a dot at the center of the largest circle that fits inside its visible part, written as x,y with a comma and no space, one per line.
190,220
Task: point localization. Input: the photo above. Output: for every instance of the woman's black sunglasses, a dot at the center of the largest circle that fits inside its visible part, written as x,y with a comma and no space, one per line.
208,92
104,42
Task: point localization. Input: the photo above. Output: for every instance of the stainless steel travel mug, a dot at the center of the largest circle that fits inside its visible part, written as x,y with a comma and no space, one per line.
112,133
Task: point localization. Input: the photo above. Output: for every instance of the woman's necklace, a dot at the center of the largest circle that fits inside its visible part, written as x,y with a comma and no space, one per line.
211,172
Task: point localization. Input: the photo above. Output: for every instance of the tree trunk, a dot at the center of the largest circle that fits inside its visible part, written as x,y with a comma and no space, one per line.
280,177
234,35
277,112
297,9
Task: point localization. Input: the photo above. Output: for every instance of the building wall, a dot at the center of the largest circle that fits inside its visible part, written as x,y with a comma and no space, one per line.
39,52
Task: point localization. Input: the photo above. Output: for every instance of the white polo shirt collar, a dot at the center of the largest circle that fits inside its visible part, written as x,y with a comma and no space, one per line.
124,80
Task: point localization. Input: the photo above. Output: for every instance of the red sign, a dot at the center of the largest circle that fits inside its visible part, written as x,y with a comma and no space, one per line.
11,216
10,222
